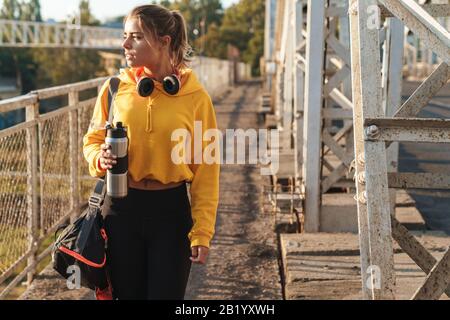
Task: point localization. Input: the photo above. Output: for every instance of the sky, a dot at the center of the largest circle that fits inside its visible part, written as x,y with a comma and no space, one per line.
101,9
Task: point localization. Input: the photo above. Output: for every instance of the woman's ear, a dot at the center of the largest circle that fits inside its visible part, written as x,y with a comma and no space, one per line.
166,40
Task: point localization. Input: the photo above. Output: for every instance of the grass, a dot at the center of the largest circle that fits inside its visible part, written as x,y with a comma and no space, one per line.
16,187
21,288
12,239
19,234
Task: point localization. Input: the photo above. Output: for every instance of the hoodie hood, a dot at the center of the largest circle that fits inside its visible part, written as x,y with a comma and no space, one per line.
189,81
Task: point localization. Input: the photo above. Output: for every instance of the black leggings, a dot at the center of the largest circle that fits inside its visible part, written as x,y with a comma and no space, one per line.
148,247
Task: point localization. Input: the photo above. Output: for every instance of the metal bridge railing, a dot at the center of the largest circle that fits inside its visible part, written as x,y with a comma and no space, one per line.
362,41
14,33
40,172
376,129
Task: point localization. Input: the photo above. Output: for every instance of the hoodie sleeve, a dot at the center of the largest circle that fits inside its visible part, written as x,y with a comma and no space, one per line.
204,188
95,136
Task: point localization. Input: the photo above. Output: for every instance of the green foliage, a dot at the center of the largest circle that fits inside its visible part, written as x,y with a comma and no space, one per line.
10,10
213,42
86,18
18,62
63,66
15,10
41,68
200,15
241,25
31,11
21,242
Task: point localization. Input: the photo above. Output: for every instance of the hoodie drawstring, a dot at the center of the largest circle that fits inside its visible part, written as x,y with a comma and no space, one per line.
148,128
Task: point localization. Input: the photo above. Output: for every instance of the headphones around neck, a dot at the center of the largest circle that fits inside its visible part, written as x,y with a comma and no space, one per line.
146,85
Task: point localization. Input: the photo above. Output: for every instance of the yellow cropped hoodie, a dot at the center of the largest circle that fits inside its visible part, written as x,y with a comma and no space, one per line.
151,121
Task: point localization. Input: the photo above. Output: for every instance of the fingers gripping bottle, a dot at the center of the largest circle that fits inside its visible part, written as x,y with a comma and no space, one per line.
117,177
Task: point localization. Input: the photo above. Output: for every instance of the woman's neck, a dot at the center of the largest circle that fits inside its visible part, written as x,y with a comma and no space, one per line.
160,72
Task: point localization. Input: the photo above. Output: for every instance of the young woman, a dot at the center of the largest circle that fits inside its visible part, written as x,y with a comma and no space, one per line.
156,231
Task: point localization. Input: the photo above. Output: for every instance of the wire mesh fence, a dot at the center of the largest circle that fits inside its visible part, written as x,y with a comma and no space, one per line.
13,205
86,182
38,191
54,170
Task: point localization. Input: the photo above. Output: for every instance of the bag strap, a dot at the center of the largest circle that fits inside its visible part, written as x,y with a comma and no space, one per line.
98,195
113,87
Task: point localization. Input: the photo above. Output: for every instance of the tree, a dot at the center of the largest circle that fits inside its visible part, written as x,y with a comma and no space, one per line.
243,27
211,11
40,68
214,44
10,10
199,16
18,62
86,17
31,11
165,3
35,10
67,65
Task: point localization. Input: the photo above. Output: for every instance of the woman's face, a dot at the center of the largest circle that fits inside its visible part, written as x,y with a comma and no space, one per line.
140,49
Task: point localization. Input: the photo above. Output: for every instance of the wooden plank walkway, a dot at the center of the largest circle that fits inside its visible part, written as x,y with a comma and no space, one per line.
243,261
326,265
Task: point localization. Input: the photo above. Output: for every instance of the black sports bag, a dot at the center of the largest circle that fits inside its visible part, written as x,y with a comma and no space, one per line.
83,243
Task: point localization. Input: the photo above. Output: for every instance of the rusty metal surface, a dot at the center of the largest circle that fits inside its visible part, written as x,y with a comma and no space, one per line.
417,252
408,129
413,180
437,280
429,158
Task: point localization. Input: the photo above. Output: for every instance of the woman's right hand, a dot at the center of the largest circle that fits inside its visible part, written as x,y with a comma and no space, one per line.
107,159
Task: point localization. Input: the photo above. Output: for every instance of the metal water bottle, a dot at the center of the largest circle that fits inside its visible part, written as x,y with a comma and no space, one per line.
117,177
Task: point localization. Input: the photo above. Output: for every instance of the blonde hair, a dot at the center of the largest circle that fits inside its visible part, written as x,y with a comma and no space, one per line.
158,21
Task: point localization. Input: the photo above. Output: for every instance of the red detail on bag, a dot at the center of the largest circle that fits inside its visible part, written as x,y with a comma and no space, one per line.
81,258
105,294
103,233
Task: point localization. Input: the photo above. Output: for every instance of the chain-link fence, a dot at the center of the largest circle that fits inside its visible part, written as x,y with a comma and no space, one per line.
44,179
13,205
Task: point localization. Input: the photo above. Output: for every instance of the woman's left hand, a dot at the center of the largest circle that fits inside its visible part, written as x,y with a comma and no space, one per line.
199,254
